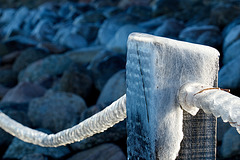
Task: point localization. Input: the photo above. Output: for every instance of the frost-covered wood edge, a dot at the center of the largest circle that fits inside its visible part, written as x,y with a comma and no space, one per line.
195,96
98,123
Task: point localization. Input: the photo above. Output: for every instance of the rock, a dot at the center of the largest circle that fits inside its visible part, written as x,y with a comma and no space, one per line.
141,12
227,74
84,55
231,52
3,91
23,93
223,13
232,36
10,58
27,57
51,47
7,15
230,26
90,17
4,50
15,24
128,3
109,12
102,152
222,128
18,112
19,149
114,134
230,144
48,67
119,42
76,80
153,23
35,156
103,70
56,111
88,31
206,35
44,30
114,88
8,77
170,28
161,7
73,41
19,42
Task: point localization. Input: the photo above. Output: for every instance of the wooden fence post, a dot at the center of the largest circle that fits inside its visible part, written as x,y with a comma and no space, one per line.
156,68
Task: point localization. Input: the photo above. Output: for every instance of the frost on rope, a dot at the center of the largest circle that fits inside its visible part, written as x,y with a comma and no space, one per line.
195,96
98,123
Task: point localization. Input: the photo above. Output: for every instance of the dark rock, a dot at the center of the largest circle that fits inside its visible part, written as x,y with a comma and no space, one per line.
23,93
3,49
76,80
113,134
48,67
114,88
129,3
170,28
228,74
119,42
18,112
161,7
231,52
19,149
8,77
27,57
56,110
153,23
51,47
73,41
230,144
84,55
102,152
105,3
109,12
206,35
103,70
224,13
3,91
232,36
44,30
10,58
222,128
90,17
141,12
34,156
230,26
88,31
19,43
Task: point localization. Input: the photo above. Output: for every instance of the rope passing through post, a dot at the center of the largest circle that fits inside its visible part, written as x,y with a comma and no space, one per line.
98,123
195,96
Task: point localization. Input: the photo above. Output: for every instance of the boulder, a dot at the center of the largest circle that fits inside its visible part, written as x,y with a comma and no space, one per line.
48,67
44,30
90,17
228,77
114,88
73,41
102,152
24,92
51,47
7,15
119,42
232,36
19,149
56,110
231,52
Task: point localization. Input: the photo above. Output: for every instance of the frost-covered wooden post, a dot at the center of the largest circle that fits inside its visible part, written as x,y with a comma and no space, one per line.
156,69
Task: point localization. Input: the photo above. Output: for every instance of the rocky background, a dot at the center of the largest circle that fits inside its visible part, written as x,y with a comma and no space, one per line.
61,62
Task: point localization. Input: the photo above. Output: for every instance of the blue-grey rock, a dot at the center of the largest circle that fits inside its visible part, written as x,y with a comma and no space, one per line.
230,144
232,36
35,156
52,48
140,12
73,41
14,27
56,111
102,152
230,26
7,15
23,93
231,52
90,17
48,67
27,57
84,55
170,28
161,7
44,30
206,35
119,42
19,149
114,88
228,77
153,23
102,70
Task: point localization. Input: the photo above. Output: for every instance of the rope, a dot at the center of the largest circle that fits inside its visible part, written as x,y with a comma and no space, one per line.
193,96
98,123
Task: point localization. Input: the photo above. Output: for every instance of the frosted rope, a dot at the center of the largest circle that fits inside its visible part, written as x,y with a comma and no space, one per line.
193,96
98,123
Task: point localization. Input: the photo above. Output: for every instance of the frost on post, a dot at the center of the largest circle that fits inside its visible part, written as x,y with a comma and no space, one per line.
156,68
